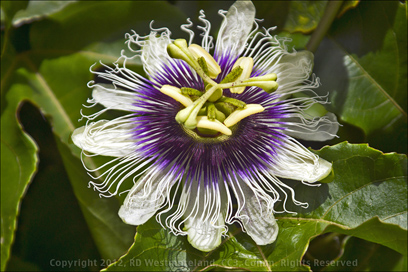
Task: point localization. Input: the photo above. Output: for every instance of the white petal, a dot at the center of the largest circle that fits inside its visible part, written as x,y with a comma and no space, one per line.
107,138
202,234
322,129
142,202
293,161
258,220
113,98
235,28
205,214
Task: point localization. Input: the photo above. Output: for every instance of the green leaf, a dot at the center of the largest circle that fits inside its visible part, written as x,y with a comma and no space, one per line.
110,234
111,20
304,16
10,8
44,88
38,9
367,199
48,207
18,165
367,75
51,70
350,4
361,255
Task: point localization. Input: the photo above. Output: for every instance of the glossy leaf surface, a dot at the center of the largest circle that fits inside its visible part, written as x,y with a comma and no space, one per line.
47,49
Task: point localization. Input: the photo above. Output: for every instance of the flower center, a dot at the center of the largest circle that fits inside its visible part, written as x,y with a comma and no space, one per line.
209,112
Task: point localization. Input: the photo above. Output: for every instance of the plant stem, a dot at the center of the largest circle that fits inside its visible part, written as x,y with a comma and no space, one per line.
329,15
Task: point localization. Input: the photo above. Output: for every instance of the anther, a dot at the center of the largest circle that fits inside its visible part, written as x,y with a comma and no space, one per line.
233,75
203,122
235,102
240,114
176,94
198,52
191,91
246,63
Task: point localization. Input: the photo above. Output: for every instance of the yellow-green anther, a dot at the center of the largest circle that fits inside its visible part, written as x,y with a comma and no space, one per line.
176,94
203,65
181,43
246,63
268,77
175,52
233,75
213,68
191,91
179,50
225,108
211,112
235,102
203,122
240,114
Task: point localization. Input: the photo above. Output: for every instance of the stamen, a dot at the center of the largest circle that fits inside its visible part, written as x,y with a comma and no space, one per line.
239,114
198,52
233,75
203,122
191,91
246,64
189,114
179,50
176,94
203,65
235,102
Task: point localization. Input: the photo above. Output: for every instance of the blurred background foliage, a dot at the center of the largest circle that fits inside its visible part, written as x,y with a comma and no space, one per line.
48,215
